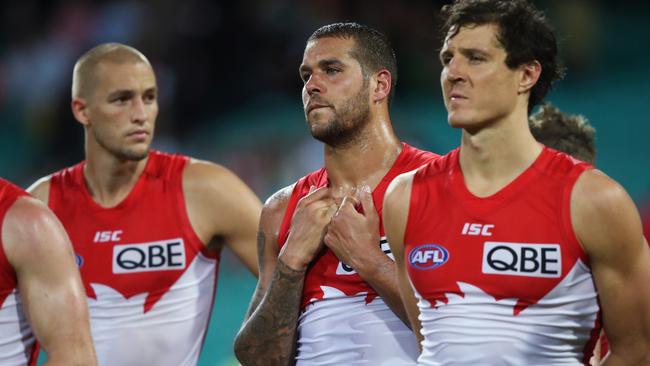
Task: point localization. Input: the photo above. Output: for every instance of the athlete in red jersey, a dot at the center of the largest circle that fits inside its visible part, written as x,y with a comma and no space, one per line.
327,293
148,227
41,296
503,241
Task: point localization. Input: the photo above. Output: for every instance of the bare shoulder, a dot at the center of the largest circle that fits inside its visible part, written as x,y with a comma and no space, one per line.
604,216
30,228
27,210
275,207
201,174
41,188
399,190
595,195
208,185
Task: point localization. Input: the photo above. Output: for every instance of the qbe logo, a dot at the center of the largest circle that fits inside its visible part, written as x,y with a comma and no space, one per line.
428,256
522,259
146,257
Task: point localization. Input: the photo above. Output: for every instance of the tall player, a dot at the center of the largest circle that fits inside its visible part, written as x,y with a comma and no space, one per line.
327,292
505,241
41,295
147,226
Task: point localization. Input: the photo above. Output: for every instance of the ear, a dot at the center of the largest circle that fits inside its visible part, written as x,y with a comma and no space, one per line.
80,111
530,73
382,85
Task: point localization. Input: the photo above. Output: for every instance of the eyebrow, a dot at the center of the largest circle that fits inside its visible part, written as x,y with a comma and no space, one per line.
322,64
129,92
120,93
465,52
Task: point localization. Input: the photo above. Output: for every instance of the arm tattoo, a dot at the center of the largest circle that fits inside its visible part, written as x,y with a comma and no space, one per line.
269,335
259,292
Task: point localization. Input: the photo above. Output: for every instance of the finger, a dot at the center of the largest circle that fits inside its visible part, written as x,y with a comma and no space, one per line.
332,210
367,202
348,204
340,192
315,195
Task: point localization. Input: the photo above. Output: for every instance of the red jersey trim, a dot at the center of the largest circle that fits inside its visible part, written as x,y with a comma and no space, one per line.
567,224
9,194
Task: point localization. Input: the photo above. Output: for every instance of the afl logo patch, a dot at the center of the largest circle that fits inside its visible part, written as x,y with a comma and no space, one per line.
428,256
79,259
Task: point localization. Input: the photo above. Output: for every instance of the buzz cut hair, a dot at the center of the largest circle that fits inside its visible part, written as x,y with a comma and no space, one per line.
84,75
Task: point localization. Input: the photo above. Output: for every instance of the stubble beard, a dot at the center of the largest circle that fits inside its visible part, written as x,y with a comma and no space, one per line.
122,153
345,126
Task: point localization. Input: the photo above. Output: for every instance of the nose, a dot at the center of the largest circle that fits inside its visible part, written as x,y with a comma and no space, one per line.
314,85
139,111
453,71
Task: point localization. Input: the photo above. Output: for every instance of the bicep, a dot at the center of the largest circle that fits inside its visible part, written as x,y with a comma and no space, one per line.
395,216
219,204
608,225
240,228
267,243
267,254
49,282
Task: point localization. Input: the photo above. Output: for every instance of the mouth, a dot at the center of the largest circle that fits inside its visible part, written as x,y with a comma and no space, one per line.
456,96
138,134
315,106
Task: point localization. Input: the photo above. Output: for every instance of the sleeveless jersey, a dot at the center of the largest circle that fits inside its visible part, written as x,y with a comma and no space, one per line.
343,321
17,342
150,281
500,280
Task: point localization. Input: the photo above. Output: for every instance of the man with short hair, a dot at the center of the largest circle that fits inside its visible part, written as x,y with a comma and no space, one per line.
514,250
147,226
571,134
327,292
41,295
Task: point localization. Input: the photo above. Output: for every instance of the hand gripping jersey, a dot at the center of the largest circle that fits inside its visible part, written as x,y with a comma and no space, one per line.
500,280
343,321
149,280
17,342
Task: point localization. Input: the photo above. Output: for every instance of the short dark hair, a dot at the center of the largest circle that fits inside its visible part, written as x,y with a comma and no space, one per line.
372,49
571,134
524,33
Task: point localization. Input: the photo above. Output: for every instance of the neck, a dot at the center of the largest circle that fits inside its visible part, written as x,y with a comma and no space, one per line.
494,156
109,179
367,160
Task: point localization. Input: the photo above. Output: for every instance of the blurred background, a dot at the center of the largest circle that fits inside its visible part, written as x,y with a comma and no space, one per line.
230,91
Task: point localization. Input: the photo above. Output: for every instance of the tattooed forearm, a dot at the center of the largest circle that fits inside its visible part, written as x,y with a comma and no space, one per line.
269,335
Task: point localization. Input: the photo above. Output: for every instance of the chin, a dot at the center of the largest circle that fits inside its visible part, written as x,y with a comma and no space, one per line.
457,121
135,154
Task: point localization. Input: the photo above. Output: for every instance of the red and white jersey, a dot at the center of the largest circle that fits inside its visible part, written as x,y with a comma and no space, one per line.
343,321
501,280
17,342
150,281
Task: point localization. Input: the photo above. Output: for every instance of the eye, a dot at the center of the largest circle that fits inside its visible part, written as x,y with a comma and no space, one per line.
150,98
445,59
475,59
121,100
304,77
332,71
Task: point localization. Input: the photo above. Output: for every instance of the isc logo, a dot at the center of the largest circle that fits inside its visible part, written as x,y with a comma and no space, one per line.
428,256
106,236
522,259
477,229
146,257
